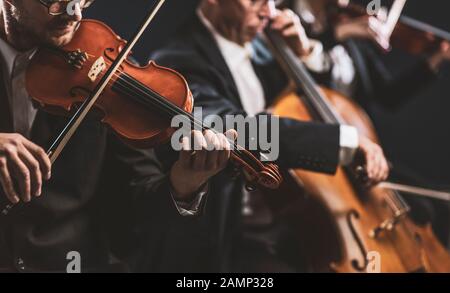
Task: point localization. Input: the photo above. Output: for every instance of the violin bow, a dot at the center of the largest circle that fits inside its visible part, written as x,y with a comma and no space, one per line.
69,130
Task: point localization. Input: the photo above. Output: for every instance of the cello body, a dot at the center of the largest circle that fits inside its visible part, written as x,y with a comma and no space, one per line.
358,221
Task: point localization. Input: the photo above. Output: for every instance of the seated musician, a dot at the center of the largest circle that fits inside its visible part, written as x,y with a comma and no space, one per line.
65,207
231,72
351,61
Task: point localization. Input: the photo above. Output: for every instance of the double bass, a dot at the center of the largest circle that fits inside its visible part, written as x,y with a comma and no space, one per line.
345,226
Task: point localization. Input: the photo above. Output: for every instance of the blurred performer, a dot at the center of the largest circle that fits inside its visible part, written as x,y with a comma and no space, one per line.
231,72
95,172
352,62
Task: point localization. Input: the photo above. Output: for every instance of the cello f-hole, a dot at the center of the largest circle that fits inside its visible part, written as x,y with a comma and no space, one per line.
355,263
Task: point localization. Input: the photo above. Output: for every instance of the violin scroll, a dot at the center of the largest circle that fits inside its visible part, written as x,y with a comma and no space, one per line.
257,173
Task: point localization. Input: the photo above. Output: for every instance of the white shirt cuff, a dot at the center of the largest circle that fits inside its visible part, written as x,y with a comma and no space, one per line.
317,60
192,208
349,143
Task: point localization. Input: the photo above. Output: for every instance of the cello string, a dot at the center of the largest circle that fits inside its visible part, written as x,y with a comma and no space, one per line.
402,206
308,84
390,196
305,80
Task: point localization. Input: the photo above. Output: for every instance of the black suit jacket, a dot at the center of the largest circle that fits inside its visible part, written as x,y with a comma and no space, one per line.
377,81
105,200
194,53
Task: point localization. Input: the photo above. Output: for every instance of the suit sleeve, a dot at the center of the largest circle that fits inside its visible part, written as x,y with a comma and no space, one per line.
142,212
146,177
395,91
377,80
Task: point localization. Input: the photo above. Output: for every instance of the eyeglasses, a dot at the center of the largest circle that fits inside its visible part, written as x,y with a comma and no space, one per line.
59,7
258,4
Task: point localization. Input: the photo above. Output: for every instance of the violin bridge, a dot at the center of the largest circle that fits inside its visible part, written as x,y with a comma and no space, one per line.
96,69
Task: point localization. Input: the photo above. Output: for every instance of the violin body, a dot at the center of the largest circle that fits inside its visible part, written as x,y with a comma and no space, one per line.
66,86
138,103
351,215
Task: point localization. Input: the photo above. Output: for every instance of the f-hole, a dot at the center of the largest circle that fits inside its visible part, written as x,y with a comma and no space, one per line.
107,53
353,215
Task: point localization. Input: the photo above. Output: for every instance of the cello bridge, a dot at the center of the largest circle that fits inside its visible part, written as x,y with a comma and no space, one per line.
388,225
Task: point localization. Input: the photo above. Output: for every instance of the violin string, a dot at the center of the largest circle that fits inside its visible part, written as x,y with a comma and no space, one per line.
166,105
171,108
174,109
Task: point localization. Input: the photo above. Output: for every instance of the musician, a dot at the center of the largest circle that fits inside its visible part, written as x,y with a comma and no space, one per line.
65,207
231,72
352,62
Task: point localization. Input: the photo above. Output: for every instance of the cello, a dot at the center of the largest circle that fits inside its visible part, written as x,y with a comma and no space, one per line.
364,223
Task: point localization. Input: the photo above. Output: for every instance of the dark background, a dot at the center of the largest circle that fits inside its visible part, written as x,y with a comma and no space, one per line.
417,136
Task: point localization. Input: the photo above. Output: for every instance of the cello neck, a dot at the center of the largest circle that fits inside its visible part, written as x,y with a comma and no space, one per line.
315,100
313,97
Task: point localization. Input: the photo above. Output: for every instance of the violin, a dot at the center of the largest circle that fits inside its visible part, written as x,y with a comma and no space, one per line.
407,34
94,72
357,224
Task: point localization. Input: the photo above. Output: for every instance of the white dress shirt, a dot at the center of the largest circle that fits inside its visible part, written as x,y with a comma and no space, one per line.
238,59
338,60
